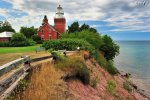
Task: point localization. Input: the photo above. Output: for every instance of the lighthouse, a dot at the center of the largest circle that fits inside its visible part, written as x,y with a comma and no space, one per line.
59,20
49,32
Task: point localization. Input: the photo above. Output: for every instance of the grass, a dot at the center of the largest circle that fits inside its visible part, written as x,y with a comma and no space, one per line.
5,58
127,86
44,84
108,65
4,50
111,87
95,81
77,67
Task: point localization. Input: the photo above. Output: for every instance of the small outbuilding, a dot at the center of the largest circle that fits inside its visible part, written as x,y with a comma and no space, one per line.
5,36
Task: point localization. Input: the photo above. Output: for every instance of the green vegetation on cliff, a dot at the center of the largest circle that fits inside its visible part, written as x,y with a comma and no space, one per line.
102,48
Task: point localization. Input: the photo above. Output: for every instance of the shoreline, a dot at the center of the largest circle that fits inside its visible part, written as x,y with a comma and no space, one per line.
134,85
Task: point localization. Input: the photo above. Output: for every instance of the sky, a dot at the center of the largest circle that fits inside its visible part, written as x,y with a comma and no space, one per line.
120,19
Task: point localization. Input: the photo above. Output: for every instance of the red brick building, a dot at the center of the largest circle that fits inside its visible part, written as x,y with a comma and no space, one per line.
47,31
5,36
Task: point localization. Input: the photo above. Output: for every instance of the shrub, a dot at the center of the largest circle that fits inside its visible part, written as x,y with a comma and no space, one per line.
37,39
111,69
83,74
8,98
108,65
19,40
22,85
57,56
77,68
109,48
30,42
69,44
95,81
127,86
93,38
111,86
4,44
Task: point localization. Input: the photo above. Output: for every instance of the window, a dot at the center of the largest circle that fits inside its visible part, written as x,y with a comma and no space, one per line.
50,36
42,36
49,30
42,32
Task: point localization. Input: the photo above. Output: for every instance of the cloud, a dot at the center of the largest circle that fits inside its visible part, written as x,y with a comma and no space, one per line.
3,12
123,15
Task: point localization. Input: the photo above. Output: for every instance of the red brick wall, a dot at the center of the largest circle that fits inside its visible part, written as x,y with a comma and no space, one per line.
60,24
4,39
47,30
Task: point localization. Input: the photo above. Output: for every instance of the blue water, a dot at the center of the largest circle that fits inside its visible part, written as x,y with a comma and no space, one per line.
134,58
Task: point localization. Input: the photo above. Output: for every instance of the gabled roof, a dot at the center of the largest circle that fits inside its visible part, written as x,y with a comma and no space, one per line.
6,34
49,26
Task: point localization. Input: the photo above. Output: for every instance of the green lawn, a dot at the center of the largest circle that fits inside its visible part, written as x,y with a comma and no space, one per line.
4,50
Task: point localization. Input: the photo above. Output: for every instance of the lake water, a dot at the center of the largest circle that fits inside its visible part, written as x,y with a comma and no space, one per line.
134,58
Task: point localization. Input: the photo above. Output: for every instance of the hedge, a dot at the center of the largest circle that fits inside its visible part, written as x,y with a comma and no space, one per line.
68,44
4,44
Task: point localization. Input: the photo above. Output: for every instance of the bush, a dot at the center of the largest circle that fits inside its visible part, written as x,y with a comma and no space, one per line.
111,69
37,39
68,44
58,56
111,86
93,38
4,44
76,67
109,48
95,81
19,40
127,86
22,85
30,42
108,65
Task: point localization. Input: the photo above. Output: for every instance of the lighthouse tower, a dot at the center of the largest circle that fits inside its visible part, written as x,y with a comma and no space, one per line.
59,20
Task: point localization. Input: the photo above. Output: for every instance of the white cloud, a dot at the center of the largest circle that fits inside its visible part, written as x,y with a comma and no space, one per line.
3,12
123,14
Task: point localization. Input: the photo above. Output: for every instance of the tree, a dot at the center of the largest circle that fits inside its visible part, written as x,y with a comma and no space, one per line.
84,27
37,39
28,31
89,36
109,48
6,26
93,30
74,27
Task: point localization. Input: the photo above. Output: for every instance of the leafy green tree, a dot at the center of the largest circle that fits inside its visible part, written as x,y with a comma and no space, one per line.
109,48
93,30
89,36
28,31
6,26
74,27
87,27
84,27
37,39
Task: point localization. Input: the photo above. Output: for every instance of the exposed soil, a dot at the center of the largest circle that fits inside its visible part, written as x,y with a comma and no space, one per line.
86,92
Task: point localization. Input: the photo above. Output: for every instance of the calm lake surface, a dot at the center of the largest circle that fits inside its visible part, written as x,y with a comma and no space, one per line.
134,58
